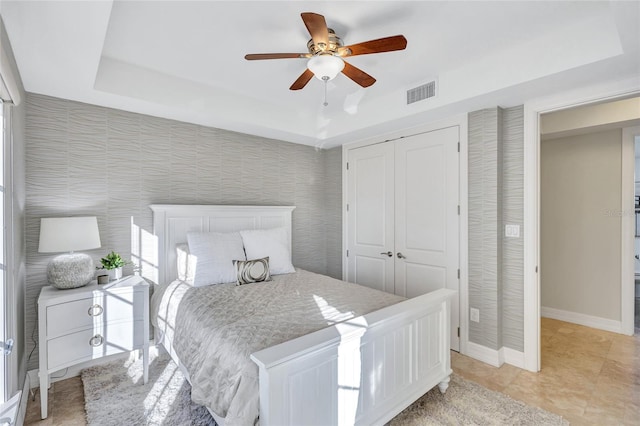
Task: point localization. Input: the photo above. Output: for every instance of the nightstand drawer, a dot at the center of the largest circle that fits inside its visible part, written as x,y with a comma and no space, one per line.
95,343
84,313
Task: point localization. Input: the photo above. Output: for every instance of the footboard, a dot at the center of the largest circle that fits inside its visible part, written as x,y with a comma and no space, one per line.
362,371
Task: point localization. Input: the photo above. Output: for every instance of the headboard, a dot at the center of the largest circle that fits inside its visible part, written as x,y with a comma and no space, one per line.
171,222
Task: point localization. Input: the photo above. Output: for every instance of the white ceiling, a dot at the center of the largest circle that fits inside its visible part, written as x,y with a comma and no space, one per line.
185,60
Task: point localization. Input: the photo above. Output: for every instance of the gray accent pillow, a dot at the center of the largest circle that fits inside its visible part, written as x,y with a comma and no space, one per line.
252,271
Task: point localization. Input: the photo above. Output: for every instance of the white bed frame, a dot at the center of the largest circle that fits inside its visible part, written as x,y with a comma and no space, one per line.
363,371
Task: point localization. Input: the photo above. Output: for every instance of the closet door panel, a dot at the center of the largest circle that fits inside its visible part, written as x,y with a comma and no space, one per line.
369,270
421,279
370,216
422,199
427,221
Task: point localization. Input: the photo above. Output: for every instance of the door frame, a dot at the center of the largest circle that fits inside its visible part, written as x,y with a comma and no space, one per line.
5,314
460,120
627,250
532,111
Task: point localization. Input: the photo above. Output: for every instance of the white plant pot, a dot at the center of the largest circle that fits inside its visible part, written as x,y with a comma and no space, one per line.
115,274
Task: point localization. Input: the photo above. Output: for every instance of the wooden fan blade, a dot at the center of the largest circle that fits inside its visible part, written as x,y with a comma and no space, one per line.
386,44
317,27
302,81
258,56
357,75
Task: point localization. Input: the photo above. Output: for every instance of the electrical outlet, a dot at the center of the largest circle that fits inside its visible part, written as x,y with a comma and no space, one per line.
512,231
475,314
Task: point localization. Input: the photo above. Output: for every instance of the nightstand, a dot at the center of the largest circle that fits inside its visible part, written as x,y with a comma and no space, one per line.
91,322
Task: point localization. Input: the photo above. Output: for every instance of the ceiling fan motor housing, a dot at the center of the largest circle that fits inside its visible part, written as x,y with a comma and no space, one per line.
334,43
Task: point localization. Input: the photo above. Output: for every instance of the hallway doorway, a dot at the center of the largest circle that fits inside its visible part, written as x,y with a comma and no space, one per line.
587,216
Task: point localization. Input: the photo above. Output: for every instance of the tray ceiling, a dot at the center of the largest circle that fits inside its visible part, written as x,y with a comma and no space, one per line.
185,60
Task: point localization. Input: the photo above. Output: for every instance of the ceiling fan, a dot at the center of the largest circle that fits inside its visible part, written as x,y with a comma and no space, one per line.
326,53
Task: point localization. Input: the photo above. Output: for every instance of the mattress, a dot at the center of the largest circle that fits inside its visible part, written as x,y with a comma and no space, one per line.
214,329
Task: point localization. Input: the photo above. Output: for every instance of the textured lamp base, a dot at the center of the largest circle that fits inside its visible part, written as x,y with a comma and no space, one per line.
70,270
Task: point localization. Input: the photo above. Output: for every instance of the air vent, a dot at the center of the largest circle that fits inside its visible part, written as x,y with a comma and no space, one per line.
421,92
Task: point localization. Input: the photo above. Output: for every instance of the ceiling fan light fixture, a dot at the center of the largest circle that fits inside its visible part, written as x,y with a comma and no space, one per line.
326,51
325,66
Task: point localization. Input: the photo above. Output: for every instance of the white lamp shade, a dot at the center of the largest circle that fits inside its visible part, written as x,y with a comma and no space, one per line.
325,67
68,234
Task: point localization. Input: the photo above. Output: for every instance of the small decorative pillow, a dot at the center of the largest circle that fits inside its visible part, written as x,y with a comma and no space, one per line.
252,271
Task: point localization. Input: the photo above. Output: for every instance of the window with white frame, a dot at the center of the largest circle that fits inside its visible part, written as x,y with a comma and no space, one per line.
3,311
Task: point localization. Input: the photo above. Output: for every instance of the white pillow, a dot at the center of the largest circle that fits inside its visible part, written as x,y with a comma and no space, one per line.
214,254
272,243
185,263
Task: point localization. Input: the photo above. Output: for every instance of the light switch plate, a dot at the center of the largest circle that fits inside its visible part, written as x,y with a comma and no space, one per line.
512,231
474,314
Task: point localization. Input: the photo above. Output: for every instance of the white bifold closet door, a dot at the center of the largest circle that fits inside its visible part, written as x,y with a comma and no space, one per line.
402,218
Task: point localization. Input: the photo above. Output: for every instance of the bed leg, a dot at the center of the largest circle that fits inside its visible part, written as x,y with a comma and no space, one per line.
444,384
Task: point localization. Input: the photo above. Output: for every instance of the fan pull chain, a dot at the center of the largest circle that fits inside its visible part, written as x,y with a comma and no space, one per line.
326,80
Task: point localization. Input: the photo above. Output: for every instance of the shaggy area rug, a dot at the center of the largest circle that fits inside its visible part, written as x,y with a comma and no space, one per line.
467,403
115,396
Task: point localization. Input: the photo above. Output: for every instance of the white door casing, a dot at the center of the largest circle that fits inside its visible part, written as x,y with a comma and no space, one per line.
402,199
371,217
532,110
4,318
627,251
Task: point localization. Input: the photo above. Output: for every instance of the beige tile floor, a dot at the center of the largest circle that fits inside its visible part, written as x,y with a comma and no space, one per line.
590,377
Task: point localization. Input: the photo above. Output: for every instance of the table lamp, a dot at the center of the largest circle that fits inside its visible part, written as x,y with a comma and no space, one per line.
69,234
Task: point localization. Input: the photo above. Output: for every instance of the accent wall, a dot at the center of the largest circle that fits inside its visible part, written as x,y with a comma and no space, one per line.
88,160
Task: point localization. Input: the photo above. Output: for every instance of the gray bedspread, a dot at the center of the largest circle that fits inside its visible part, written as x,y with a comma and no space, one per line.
214,329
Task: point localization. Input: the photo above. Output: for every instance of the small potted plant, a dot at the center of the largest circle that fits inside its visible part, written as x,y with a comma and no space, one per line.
113,263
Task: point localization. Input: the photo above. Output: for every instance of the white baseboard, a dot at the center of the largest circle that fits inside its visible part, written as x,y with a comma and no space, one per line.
513,357
495,357
484,354
582,319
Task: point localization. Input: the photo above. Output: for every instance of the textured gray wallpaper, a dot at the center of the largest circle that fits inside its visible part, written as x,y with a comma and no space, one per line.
513,213
485,149
333,182
88,160
496,283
